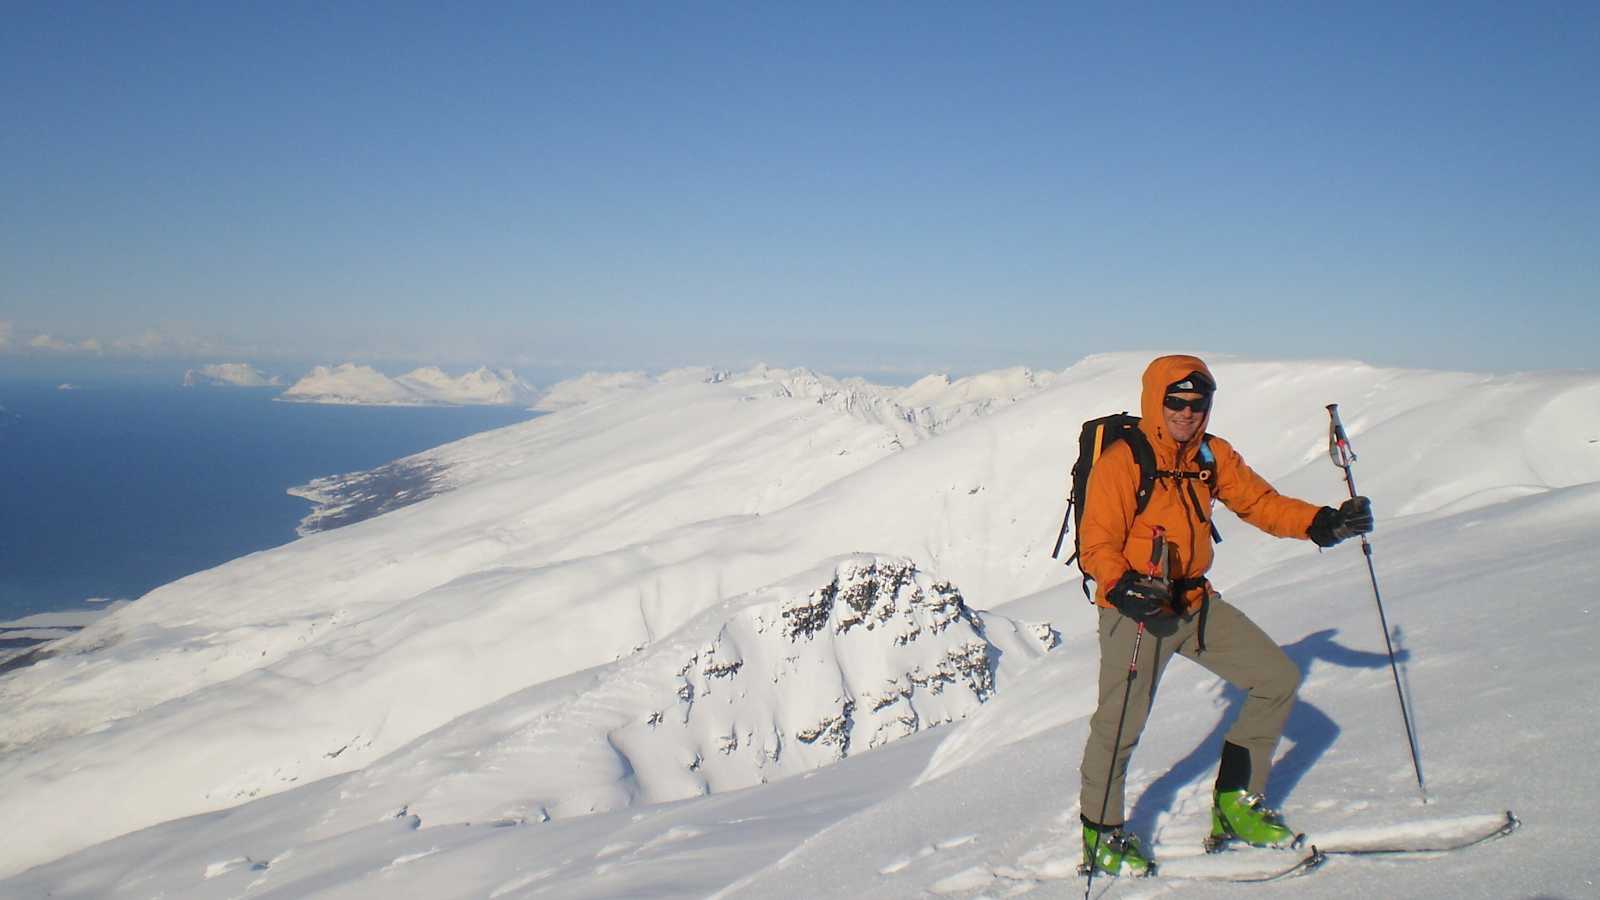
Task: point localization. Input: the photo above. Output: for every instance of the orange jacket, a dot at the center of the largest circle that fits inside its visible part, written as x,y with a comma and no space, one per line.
1113,540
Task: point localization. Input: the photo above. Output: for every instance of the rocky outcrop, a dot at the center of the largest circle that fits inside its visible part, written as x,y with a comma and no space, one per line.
853,655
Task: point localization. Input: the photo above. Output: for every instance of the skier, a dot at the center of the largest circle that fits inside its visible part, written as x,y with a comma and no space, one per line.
1182,613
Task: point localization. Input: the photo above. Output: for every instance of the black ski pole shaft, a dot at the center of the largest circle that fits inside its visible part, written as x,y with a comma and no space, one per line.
1061,535
1343,456
1158,568
1116,745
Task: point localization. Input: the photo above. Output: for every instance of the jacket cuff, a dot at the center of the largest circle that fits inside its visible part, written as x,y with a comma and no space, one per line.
1320,531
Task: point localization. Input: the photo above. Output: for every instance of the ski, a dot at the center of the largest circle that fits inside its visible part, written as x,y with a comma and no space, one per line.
1421,846
1215,867
1308,863
1235,863
1246,869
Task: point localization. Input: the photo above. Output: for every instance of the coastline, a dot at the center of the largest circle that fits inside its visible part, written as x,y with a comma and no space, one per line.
119,489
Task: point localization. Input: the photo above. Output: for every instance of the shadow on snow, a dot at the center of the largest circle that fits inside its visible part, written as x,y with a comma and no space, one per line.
1309,729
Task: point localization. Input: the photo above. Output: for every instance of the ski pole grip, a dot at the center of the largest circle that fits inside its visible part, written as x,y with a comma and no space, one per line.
1339,448
1158,554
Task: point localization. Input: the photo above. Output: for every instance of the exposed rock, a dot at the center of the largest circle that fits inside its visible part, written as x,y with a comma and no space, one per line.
346,499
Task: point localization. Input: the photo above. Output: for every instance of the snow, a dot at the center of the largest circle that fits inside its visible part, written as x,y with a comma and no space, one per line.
352,384
229,375
571,673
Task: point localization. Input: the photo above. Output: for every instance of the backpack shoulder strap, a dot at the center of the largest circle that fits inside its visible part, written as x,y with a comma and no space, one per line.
1207,459
1145,456
1208,474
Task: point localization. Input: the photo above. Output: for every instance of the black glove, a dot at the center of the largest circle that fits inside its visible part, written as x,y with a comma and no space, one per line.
1331,526
1140,597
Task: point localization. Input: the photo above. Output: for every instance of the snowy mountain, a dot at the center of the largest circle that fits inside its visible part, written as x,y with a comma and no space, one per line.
229,375
912,413
937,402
351,384
480,387
687,639
591,387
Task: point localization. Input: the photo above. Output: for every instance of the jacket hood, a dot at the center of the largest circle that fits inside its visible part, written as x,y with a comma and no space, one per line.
1162,371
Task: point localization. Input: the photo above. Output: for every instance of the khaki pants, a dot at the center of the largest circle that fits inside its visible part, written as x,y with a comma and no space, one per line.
1236,650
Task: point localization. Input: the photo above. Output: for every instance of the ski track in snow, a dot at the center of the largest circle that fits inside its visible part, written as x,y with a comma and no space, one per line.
461,692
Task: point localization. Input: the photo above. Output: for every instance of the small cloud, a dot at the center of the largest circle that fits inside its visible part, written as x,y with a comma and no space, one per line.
54,344
148,342
151,342
47,342
154,342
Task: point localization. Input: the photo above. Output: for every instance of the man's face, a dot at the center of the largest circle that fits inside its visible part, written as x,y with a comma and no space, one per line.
1185,423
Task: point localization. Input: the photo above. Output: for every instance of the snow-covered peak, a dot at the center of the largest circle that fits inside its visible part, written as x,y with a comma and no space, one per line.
941,403
694,375
1001,385
229,375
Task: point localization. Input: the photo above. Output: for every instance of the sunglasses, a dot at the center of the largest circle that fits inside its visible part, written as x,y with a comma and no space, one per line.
1177,404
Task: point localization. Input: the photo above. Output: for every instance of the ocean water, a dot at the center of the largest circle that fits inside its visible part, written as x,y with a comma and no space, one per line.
108,492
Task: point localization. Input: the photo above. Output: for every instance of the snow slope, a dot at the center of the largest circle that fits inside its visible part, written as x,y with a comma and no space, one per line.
404,701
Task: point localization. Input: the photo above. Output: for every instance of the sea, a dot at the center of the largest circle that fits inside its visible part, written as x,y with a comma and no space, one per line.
109,491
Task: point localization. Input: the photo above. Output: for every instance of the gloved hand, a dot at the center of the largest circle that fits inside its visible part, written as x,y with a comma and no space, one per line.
1140,597
1331,526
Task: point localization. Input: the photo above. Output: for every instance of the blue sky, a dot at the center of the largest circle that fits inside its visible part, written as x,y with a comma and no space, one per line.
883,187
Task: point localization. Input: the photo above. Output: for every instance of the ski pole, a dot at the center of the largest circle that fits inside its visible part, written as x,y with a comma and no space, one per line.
1061,535
1343,456
1158,569
1116,743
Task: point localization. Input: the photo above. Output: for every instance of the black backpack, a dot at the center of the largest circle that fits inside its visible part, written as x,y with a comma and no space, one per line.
1097,437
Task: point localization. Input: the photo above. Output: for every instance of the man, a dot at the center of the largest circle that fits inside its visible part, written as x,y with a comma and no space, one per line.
1183,614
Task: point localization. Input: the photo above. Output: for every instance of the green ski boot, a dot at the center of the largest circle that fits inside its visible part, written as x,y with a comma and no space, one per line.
1240,816
1119,853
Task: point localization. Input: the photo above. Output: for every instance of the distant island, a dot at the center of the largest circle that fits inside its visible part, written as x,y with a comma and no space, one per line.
229,375
351,384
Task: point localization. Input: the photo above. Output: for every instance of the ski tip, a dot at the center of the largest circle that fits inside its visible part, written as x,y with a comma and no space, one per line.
1512,822
1300,841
